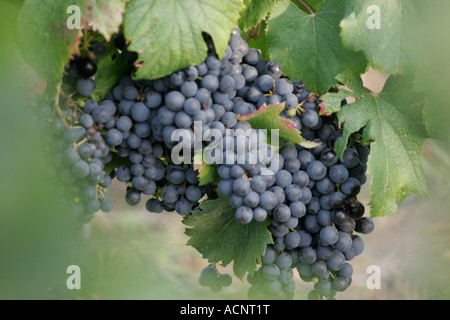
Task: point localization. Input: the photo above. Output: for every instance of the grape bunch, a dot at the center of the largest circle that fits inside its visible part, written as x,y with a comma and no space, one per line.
314,225
317,221
126,116
211,278
310,195
79,153
133,135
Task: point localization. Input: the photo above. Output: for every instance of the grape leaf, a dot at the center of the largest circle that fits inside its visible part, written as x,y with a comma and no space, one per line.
168,34
104,16
219,237
110,68
254,12
393,119
309,47
353,81
45,40
331,101
392,48
314,5
268,118
207,173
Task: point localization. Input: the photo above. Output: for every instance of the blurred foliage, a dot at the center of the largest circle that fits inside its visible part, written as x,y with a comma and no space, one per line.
34,230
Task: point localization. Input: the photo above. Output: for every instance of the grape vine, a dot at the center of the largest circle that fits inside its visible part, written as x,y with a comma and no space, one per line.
185,120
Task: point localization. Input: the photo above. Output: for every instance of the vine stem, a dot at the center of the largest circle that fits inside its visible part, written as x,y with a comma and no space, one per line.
306,6
250,34
258,35
57,107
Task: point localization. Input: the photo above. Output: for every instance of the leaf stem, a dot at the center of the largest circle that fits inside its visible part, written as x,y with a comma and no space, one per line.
303,3
249,34
258,35
57,107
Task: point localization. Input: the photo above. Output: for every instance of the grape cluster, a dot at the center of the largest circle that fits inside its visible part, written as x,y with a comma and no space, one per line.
126,116
141,118
309,195
79,153
211,278
317,218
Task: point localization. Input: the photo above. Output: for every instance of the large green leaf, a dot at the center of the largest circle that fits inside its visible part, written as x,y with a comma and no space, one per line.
314,5
392,47
254,12
393,119
45,41
309,46
168,34
219,237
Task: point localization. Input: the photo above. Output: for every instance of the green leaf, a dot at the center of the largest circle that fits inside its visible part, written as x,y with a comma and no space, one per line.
392,48
168,34
433,74
104,16
268,118
331,101
44,39
219,237
207,173
314,5
436,114
394,120
309,47
46,42
353,81
110,68
254,12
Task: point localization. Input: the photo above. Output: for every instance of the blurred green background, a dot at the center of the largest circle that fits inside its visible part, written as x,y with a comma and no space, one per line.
131,254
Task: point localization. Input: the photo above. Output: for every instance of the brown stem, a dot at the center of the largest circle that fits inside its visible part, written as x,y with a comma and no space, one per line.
57,107
258,35
251,35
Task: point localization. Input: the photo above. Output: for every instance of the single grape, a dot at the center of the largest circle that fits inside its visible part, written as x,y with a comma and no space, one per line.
85,87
